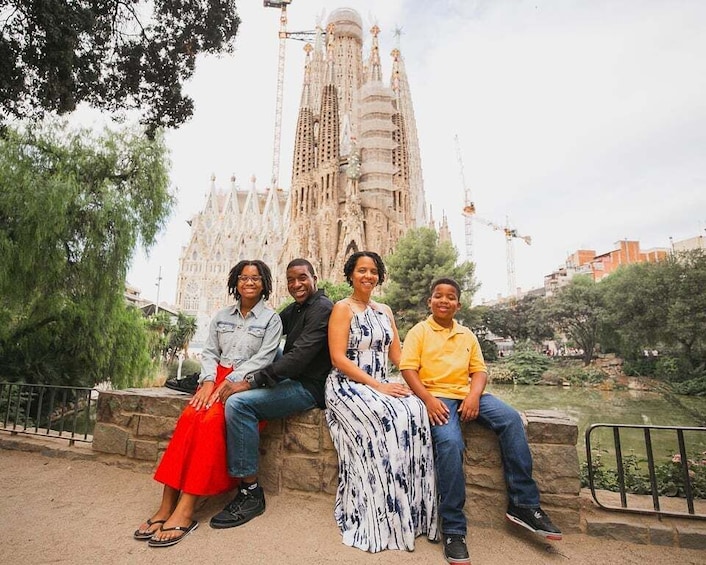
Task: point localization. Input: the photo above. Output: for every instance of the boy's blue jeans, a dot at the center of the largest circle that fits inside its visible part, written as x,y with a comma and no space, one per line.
506,422
243,412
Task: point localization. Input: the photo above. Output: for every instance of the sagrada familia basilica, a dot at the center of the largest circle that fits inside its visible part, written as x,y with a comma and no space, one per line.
356,177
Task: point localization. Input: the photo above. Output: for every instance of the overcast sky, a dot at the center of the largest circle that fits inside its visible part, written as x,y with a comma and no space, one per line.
580,122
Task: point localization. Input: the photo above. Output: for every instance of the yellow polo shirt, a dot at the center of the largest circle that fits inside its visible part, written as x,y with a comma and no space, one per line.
444,357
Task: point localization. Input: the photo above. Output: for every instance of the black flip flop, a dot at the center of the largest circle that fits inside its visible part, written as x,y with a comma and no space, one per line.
145,535
173,541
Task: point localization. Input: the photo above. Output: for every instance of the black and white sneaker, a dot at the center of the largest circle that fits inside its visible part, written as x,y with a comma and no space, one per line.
535,520
455,550
187,384
246,505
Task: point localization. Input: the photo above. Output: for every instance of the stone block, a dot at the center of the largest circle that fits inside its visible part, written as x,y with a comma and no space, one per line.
619,530
330,474
302,438
160,427
663,535
326,441
160,401
692,537
485,508
313,417
551,426
302,473
564,510
143,450
109,411
108,438
556,468
274,428
270,467
485,477
482,447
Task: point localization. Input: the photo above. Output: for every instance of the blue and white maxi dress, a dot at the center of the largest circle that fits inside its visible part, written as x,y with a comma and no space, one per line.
386,485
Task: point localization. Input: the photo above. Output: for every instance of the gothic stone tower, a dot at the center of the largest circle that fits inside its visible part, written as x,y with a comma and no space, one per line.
234,224
356,175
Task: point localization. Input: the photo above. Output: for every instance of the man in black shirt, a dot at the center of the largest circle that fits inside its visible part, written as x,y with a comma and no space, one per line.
293,383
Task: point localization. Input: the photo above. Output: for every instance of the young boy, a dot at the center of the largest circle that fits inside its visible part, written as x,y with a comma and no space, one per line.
443,364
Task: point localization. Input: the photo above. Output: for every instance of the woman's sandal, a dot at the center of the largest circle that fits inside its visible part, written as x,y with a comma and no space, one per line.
186,530
144,535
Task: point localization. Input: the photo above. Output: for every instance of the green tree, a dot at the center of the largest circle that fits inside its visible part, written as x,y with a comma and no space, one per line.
335,292
114,55
520,320
73,208
418,259
578,311
180,334
661,305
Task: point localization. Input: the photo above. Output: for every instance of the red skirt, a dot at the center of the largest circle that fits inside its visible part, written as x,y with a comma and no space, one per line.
195,459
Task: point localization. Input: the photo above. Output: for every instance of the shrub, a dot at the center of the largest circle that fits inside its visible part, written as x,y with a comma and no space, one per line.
672,369
498,373
669,475
188,367
527,365
640,367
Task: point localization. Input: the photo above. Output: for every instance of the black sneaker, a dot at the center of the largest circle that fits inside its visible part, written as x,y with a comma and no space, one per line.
455,549
187,384
535,520
246,505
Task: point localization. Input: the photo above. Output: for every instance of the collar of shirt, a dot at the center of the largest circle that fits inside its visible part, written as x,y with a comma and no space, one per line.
454,329
255,311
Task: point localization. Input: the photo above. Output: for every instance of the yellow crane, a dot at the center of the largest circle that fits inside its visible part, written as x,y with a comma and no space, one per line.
470,216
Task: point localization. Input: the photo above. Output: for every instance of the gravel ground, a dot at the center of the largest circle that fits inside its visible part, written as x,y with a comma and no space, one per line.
57,510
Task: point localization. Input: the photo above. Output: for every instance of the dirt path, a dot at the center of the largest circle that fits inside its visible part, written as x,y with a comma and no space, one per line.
55,510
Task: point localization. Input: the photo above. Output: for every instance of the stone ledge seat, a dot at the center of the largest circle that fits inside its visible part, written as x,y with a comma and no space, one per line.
297,453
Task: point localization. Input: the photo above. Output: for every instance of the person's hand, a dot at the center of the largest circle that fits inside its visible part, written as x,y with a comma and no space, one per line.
225,389
470,407
438,411
393,389
202,395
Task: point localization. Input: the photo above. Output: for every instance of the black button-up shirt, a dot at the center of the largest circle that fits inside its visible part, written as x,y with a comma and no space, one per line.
306,356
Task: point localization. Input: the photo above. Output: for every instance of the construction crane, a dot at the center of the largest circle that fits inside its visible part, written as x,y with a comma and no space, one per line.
510,235
469,216
467,204
283,36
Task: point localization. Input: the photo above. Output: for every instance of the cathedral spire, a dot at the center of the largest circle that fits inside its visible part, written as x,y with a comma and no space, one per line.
400,85
306,90
375,68
330,76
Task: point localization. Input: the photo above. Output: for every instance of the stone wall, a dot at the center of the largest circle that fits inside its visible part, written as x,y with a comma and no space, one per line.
297,453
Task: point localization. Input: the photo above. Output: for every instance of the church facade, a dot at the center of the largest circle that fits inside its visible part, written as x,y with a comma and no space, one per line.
356,177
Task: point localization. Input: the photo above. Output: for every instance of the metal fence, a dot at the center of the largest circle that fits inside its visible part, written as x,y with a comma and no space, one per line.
682,471
65,412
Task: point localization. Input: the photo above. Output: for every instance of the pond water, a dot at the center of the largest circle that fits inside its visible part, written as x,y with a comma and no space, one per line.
591,406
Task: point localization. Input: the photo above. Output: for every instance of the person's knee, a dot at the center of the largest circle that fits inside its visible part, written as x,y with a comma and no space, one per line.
235,406
448,438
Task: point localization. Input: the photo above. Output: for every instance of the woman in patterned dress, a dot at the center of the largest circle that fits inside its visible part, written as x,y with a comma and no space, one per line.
386,490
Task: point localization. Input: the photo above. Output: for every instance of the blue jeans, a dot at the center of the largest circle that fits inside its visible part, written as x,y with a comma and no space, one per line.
243,412
506,422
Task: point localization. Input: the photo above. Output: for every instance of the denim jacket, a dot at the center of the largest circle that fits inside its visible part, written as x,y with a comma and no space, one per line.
246,344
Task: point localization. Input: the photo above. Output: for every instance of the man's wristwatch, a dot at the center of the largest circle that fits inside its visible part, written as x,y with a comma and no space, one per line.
250,379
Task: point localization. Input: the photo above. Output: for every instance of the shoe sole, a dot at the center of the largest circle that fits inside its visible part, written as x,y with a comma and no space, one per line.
225,525
548,535
173,541
458,561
